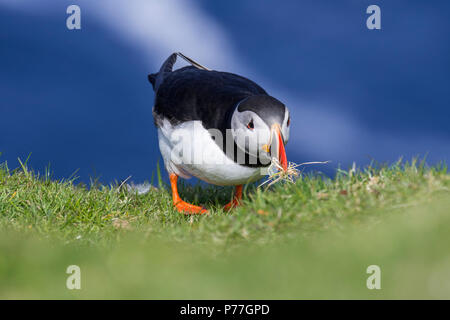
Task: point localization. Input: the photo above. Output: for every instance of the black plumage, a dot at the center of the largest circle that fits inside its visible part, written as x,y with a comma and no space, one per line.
209,96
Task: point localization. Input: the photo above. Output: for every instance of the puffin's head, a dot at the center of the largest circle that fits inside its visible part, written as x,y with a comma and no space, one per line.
260,127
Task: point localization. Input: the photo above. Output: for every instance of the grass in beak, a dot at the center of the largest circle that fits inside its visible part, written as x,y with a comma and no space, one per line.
277,174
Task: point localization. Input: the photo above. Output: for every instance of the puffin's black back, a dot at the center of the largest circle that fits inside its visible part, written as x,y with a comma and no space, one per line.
190,93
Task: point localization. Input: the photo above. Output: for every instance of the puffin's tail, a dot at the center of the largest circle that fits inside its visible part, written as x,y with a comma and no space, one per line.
157,78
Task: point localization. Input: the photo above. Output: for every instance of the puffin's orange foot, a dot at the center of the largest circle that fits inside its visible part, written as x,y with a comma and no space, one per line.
231,205
187,208
236,199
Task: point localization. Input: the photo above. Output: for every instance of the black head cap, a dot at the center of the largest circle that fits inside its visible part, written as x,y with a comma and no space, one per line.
266,107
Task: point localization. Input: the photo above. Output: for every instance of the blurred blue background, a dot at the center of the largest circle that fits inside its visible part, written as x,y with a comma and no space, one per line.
79,99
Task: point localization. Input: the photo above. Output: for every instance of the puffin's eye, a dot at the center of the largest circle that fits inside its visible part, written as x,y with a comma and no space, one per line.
289,121
250,125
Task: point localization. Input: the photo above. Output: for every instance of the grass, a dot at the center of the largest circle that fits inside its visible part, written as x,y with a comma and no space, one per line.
311,239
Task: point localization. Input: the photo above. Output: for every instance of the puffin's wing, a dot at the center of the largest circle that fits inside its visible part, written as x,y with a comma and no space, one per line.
191,93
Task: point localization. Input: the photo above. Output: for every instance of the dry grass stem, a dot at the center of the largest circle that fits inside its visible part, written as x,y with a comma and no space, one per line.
277,174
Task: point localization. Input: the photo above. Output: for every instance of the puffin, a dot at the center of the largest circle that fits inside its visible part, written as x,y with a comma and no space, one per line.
219,127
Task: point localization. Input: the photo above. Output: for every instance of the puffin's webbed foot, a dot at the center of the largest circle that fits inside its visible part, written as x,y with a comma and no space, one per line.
236,199
230,205
180,205
187,208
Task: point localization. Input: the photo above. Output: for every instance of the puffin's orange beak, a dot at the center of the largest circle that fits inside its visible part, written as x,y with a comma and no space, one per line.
277,145
281,152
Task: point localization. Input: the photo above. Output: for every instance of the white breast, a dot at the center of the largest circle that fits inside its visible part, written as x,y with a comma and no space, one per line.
188,150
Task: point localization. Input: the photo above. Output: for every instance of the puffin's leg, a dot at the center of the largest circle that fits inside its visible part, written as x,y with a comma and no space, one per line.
236,199
180,205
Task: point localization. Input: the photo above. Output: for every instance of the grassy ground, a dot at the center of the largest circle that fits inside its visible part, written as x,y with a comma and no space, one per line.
312,239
